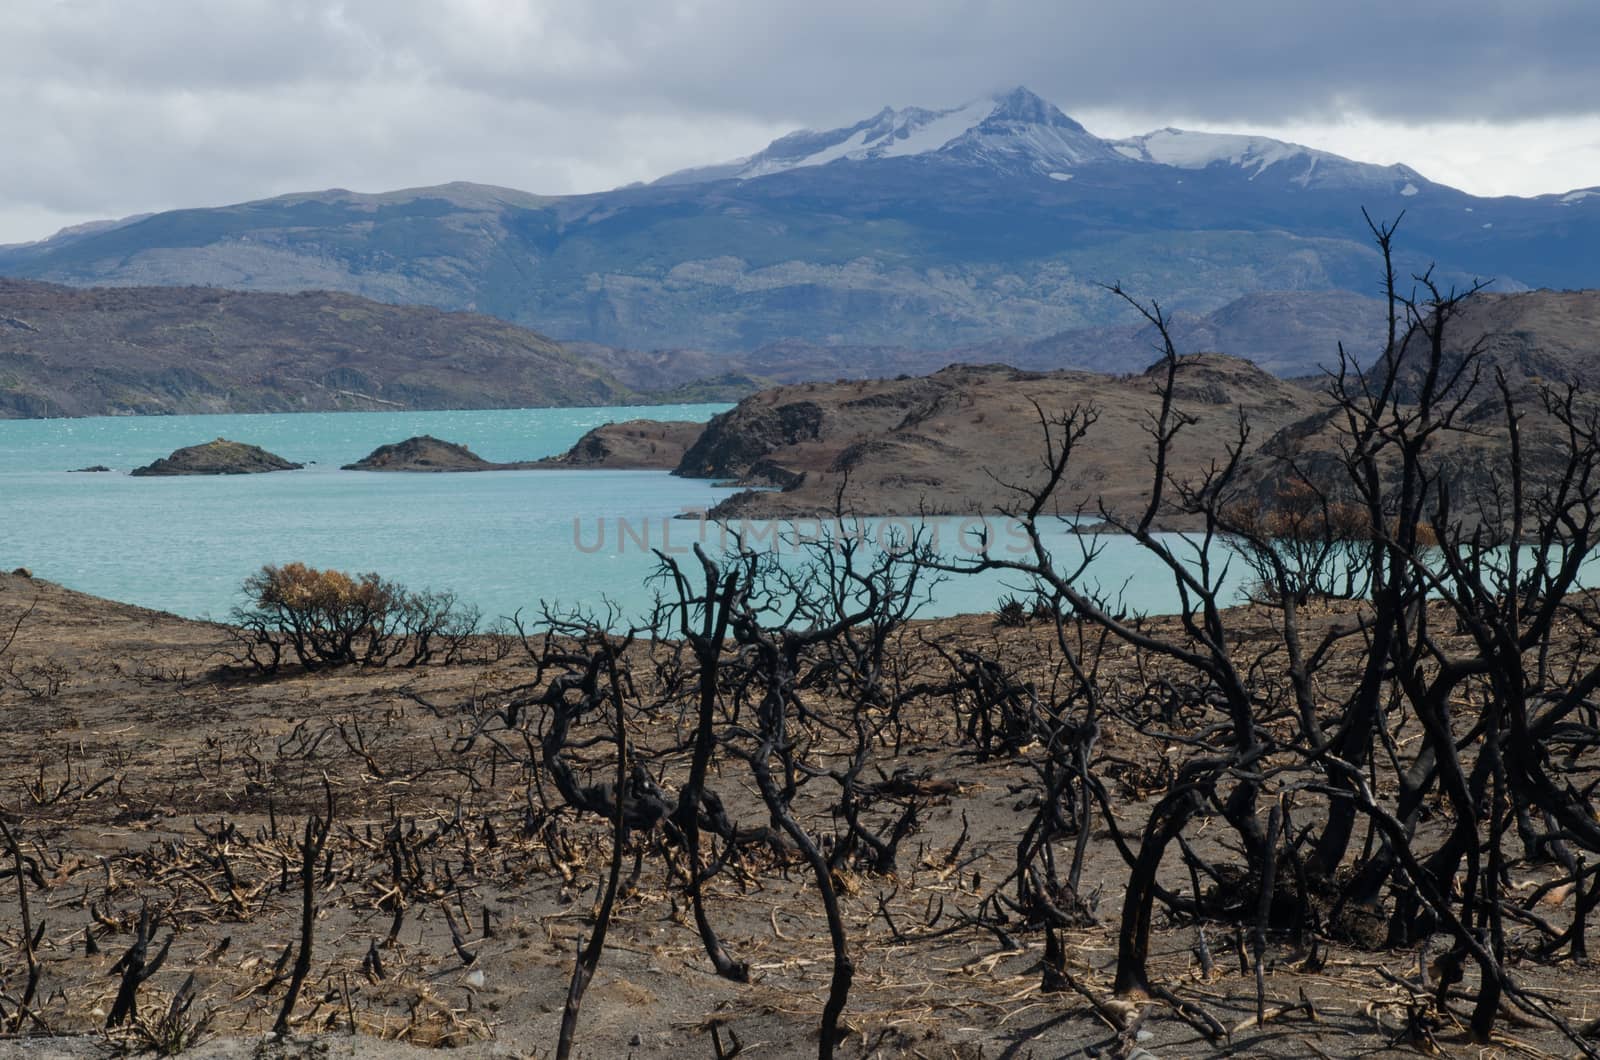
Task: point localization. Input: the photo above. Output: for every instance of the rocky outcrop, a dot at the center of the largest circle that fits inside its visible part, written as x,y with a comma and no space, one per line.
758,426
1532,337
427,453
954,442
220,457
632,445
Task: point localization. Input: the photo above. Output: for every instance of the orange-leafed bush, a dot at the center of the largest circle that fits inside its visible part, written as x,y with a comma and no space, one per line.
1309,544
1297,512
330,618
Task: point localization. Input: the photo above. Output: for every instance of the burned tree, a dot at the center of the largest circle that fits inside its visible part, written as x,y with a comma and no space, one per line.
1465,612
786,670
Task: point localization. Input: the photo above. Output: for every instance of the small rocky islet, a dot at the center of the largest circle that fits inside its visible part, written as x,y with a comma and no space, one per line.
219,457
427,453
634,444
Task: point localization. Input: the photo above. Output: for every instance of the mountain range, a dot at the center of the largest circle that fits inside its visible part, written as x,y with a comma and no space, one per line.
916,229
1020,134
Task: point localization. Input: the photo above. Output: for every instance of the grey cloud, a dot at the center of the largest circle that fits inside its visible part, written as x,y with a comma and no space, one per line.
1260,59
122,105
1266,60
146,45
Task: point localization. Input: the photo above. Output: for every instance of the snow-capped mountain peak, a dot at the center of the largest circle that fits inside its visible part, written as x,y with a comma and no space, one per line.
1023,131
1020,134
1015,128
1024,107
1256,155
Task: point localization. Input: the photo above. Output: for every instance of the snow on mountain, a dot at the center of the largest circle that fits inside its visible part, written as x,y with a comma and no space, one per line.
1014,129
1255,155
1195,150
1018,132
1023,131
923,131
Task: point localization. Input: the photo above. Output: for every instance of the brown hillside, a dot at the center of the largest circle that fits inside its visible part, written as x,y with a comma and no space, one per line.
631,445
105,351
943,444
1541,341
1548,336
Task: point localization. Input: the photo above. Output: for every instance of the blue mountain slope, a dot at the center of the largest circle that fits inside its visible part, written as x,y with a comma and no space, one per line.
915,227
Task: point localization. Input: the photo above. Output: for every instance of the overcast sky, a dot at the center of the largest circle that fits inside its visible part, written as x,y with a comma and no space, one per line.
113,107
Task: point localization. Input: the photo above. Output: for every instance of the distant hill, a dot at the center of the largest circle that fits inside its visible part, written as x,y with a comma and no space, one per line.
944,443
914,229
1288,333
73,352
1533,337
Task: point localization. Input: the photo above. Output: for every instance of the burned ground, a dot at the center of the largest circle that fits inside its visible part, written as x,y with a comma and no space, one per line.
143,779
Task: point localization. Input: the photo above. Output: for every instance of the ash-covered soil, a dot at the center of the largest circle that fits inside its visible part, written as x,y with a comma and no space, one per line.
140,776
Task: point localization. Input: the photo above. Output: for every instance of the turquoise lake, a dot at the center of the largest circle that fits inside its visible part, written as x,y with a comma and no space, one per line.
501,540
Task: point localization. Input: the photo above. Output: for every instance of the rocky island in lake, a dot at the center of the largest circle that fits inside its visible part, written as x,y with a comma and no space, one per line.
427,453
221,457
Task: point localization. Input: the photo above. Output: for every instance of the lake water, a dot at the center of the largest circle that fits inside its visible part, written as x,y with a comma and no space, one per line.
501,540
